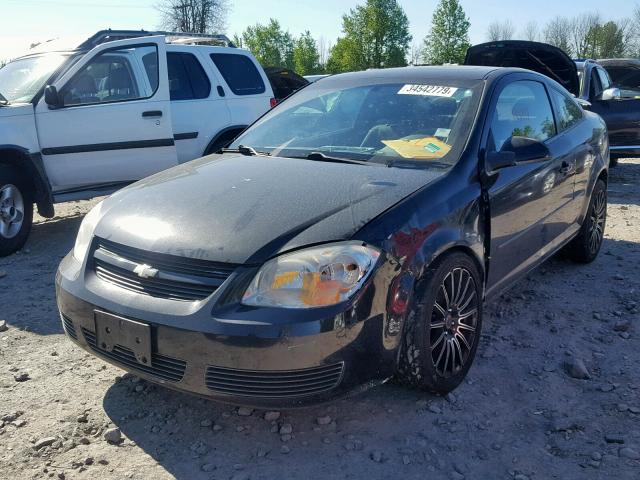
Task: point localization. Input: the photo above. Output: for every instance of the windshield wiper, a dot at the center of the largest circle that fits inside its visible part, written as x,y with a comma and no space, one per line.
245,150
321,157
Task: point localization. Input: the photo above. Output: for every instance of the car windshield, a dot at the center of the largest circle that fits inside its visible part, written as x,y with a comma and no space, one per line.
626,79
21,79
410,124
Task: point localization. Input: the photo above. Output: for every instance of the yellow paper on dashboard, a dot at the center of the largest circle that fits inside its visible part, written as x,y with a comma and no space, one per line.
426,147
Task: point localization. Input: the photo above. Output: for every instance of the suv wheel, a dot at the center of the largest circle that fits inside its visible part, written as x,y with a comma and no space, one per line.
443,328
16,211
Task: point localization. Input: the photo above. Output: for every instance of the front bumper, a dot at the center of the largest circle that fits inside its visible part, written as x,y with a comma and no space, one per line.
290,358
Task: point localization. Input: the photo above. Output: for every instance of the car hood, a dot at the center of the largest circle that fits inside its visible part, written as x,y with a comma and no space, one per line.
241,209
13,109
539,57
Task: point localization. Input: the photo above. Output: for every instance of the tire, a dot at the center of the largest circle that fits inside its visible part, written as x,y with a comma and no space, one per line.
585,247
16,210
440,324
613,162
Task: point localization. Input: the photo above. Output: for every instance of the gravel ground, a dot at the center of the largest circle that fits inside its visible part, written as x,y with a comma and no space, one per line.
520,414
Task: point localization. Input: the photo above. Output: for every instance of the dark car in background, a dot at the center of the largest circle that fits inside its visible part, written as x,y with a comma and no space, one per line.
284,81
624,74
350,235
587,80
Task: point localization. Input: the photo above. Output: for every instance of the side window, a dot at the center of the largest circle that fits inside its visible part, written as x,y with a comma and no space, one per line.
239,72
568,111
595,87
150,62
187,78
522,110
604,79
110,77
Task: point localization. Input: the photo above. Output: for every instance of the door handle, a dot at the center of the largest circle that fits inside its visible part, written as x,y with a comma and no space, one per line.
152,113
565,167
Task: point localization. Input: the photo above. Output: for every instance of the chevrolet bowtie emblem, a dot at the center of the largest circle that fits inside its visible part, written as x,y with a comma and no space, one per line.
145,271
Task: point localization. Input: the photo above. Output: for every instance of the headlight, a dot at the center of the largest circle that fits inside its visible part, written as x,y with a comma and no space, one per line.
85,234
313,277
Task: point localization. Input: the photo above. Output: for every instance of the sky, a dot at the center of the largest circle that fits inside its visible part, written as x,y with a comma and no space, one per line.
25,21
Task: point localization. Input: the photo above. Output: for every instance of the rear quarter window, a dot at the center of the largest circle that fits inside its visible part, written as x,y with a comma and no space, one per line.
568,112
240,73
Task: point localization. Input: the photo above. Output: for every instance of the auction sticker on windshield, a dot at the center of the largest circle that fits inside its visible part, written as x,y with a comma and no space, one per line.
427,90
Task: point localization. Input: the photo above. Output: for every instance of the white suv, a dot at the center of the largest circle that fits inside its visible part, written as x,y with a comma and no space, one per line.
81,122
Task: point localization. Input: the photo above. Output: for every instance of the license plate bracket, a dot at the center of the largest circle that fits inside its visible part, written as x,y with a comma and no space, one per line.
112,330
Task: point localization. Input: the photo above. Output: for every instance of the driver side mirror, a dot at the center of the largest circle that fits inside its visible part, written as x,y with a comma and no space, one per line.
516,150
611,94
52,97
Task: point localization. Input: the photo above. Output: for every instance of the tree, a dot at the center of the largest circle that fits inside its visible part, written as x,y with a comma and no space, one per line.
415,54
558,33
237,40
376,35
324,47
306,59
500,31
584,34
607,41
194,16
271,46
530,31
448,40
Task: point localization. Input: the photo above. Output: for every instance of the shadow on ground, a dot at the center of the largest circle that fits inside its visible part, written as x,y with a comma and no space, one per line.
28,291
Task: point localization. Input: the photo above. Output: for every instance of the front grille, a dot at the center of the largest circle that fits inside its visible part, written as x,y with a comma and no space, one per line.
68,327
178,278
162,366
263,383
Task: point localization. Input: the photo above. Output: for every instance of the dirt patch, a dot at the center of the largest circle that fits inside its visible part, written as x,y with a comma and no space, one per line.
520,414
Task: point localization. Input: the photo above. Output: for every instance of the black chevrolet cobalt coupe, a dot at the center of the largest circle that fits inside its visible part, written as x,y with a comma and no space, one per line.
350,235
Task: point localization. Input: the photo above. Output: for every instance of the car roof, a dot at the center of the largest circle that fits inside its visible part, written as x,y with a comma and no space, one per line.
82,43
619,62
440,72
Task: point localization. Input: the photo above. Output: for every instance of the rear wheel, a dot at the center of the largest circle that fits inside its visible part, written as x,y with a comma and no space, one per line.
16,211
443,328
585,247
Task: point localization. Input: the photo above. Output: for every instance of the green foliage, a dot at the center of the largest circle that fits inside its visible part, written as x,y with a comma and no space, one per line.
605,41
271,46
376,35
448,40
306,59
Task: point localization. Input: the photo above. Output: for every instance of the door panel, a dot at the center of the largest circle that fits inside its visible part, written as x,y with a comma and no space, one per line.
197,113
522,202
115,125
530,203
623,120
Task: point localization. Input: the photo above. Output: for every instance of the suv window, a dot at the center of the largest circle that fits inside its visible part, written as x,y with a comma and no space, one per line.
239,72
187,79
604,79
107,78
568,111
595,87
522,110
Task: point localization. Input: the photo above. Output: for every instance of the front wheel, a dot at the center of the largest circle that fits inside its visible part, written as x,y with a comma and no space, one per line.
443,328
585,247
16,211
